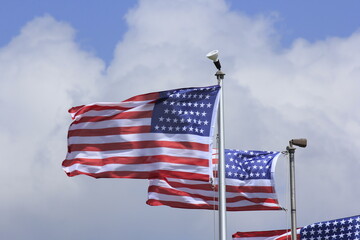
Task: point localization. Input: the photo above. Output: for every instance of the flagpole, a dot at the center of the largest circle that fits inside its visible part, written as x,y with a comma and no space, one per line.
213,55
301,143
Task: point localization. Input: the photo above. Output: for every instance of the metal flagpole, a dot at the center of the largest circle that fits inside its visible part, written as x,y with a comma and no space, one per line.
301,143
213,55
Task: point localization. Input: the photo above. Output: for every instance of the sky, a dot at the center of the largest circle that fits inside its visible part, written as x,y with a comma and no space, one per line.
292,71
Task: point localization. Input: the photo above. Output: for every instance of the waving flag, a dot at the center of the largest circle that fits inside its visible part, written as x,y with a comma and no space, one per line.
249,185
266,235
160,134
343,228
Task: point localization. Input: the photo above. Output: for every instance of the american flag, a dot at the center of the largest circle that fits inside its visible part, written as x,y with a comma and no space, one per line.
341,229
160,134
284,234
249,185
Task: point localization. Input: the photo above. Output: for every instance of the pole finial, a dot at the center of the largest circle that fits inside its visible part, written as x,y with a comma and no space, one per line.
214,56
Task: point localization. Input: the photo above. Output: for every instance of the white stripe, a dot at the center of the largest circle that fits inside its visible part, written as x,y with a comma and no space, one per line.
111,123
137,105
139,153
230,182
138,137
137,167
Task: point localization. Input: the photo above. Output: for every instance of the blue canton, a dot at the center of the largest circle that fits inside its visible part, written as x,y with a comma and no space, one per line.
343,229
185,111
246,165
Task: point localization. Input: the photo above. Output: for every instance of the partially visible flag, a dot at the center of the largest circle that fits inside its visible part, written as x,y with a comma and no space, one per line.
266,235
249,185
342,229
160,134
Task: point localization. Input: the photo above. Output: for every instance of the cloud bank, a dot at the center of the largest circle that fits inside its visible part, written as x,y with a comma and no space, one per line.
273,94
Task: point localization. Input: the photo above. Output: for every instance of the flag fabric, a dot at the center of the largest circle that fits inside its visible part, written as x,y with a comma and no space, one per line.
283,234
160,134
249,185
344,229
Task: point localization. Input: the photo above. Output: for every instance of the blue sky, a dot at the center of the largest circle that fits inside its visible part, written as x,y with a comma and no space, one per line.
292,70
100,26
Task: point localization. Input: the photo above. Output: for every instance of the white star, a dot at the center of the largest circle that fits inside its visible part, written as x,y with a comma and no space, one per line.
202,105
180,111
209,105
157,127
161,119
168,119
206,122
166,110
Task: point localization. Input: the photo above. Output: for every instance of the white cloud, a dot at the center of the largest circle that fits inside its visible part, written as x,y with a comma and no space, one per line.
43,73
272,95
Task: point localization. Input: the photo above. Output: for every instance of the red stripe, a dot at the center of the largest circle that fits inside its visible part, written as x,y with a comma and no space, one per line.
279,234
250,189
261,233
142,175
121,115
144,97
108,131
138,160
138,145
